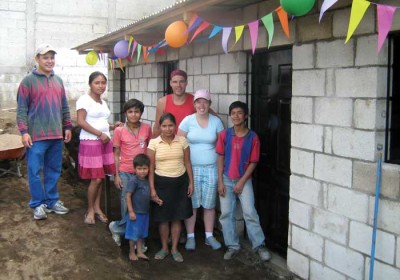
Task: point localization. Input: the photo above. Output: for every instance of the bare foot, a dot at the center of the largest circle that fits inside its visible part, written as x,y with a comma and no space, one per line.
142,256
133,257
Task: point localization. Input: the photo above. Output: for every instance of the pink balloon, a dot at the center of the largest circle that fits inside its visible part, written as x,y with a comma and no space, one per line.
121,49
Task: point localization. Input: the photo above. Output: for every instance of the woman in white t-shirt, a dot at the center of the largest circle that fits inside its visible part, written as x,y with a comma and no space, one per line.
96,157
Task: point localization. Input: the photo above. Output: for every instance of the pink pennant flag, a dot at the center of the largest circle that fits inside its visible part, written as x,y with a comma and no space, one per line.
202,27
325,6
358,9
226,31
253,27
385,19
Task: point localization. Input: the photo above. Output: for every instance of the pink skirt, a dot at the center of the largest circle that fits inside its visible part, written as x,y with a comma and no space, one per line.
95,159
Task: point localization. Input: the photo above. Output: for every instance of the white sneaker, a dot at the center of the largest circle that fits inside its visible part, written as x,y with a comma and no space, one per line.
39,213
115,236
58,208
264,254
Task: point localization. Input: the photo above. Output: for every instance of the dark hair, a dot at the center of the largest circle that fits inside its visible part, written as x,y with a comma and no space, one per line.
140,160
239,104
167,116
94,75
133,103
178,72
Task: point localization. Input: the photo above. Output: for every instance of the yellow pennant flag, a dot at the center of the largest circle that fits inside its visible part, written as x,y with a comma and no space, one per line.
358,10
238,34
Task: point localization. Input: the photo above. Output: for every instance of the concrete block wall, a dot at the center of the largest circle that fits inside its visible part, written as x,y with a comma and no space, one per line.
338,102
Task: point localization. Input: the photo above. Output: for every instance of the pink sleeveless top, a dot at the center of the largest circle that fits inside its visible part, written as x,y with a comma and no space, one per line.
180,111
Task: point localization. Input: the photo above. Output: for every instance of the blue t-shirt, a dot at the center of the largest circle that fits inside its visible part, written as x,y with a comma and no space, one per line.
202,140
140,191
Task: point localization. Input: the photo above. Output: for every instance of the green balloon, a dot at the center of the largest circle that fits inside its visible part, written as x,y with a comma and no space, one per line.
297,7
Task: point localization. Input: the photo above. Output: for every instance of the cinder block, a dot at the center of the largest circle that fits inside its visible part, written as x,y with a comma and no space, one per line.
334,54
330,225
201,81
307,30
302,162
361,240
381,270
318,271
349,203
232,63
143,85
333,169
307,243
194,66
147,71
138,71
302,109
358,144
306,190
298,263
366,52
226,100
302,86
219,83
334,111
389,215
307,136
303,56
237,83
210,64
300,214
341,23
367,82
134,84
345,260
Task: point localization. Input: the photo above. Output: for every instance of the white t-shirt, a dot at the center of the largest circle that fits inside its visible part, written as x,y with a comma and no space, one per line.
97,115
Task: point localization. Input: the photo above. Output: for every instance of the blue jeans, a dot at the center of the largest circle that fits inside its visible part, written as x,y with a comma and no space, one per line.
44,160
228,213
119,226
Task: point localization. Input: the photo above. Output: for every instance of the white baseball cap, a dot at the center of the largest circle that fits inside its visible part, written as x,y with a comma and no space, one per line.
45,48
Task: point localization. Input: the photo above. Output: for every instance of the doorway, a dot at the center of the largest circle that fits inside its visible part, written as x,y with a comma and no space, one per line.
271,118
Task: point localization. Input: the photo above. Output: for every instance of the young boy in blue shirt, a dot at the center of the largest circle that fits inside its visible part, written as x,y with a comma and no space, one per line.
138,202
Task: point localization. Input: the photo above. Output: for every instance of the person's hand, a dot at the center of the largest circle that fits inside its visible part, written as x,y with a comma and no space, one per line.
221,189
238,187
190,190
68,136
155,198
118,124
27,140
132,216
104,138
118,182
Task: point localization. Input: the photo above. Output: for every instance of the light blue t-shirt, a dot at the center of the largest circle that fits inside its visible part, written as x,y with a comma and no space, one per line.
202,140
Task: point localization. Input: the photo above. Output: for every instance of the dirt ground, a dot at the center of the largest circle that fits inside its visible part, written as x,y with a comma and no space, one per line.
63,247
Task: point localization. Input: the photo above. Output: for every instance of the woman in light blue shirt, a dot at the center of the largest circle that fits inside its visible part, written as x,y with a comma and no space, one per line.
201,130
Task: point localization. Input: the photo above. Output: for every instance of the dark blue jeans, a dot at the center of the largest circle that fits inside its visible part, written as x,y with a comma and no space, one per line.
44,160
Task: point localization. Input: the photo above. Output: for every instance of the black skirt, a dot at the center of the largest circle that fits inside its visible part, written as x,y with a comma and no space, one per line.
176,203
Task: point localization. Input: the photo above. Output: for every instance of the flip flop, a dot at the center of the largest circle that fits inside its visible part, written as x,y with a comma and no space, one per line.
177,257
160,255
88,220
101,217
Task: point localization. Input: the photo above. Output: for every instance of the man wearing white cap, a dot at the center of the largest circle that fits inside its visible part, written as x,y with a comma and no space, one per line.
43,119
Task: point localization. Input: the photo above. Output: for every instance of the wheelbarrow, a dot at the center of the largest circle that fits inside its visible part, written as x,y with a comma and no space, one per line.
12,152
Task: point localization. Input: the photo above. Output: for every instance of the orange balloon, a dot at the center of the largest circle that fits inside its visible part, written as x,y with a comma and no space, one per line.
176,34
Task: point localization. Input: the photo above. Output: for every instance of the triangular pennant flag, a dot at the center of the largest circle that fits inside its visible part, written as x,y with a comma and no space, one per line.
385,19
130,42
145,55
358,10
134,48
110,62
225,36
283,18
268,22
194,22
325,6
238,33
202,27
253,27
121,65
139,50
215,31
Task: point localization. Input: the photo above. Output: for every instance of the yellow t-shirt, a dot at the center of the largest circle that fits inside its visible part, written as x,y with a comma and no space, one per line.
169,158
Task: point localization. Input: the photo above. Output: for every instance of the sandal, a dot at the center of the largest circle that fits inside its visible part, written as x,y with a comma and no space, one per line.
160,255
88,220
101,217
177,257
